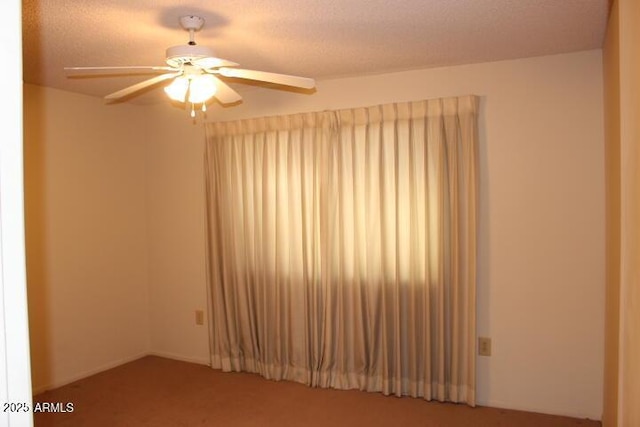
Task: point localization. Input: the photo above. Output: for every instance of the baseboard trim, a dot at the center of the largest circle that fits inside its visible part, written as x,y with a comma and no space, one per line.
197,360
533,408
37,389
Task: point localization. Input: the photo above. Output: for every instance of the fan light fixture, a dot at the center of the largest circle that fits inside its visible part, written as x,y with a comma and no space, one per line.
193,88
196,74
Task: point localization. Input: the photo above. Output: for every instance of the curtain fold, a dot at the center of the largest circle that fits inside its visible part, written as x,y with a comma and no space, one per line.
341,247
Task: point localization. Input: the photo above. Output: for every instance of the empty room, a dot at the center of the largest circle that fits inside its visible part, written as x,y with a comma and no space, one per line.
280,213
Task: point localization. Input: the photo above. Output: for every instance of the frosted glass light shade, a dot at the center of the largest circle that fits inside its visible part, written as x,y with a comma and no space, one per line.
202,88
199,88
178,88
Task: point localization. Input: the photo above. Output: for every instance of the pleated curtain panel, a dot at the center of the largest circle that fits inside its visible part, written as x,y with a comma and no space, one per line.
342,247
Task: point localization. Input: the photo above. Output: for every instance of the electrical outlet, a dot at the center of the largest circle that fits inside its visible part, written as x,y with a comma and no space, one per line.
199,317
484,346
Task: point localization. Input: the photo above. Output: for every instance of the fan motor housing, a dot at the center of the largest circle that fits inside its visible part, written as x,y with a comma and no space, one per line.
185,54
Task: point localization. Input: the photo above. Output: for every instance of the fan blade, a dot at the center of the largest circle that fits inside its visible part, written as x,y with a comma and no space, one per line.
211,62
93,71
139,86
281,79
224,93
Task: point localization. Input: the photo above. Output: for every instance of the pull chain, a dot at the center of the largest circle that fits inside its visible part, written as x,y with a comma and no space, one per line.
192,112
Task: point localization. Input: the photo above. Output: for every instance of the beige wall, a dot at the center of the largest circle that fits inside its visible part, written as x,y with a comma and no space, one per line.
85,230
541,255
629,369
612,176
175,220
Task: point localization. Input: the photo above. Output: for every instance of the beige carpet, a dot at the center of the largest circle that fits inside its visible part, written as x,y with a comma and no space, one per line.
154,391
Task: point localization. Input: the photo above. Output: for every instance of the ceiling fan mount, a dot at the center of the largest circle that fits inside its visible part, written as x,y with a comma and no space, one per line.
192,22
192,67
191,52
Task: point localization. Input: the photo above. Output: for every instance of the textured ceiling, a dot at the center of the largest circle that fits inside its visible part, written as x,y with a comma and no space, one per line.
311,38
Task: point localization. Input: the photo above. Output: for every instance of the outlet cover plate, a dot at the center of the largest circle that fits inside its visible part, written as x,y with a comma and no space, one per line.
484,346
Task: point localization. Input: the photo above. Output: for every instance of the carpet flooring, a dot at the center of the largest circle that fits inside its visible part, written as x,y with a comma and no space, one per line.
159,392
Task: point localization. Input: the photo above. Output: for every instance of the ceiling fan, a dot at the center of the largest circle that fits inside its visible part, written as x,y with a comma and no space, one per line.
196,73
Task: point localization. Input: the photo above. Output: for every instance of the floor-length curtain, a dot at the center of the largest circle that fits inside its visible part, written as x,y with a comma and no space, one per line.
341,247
